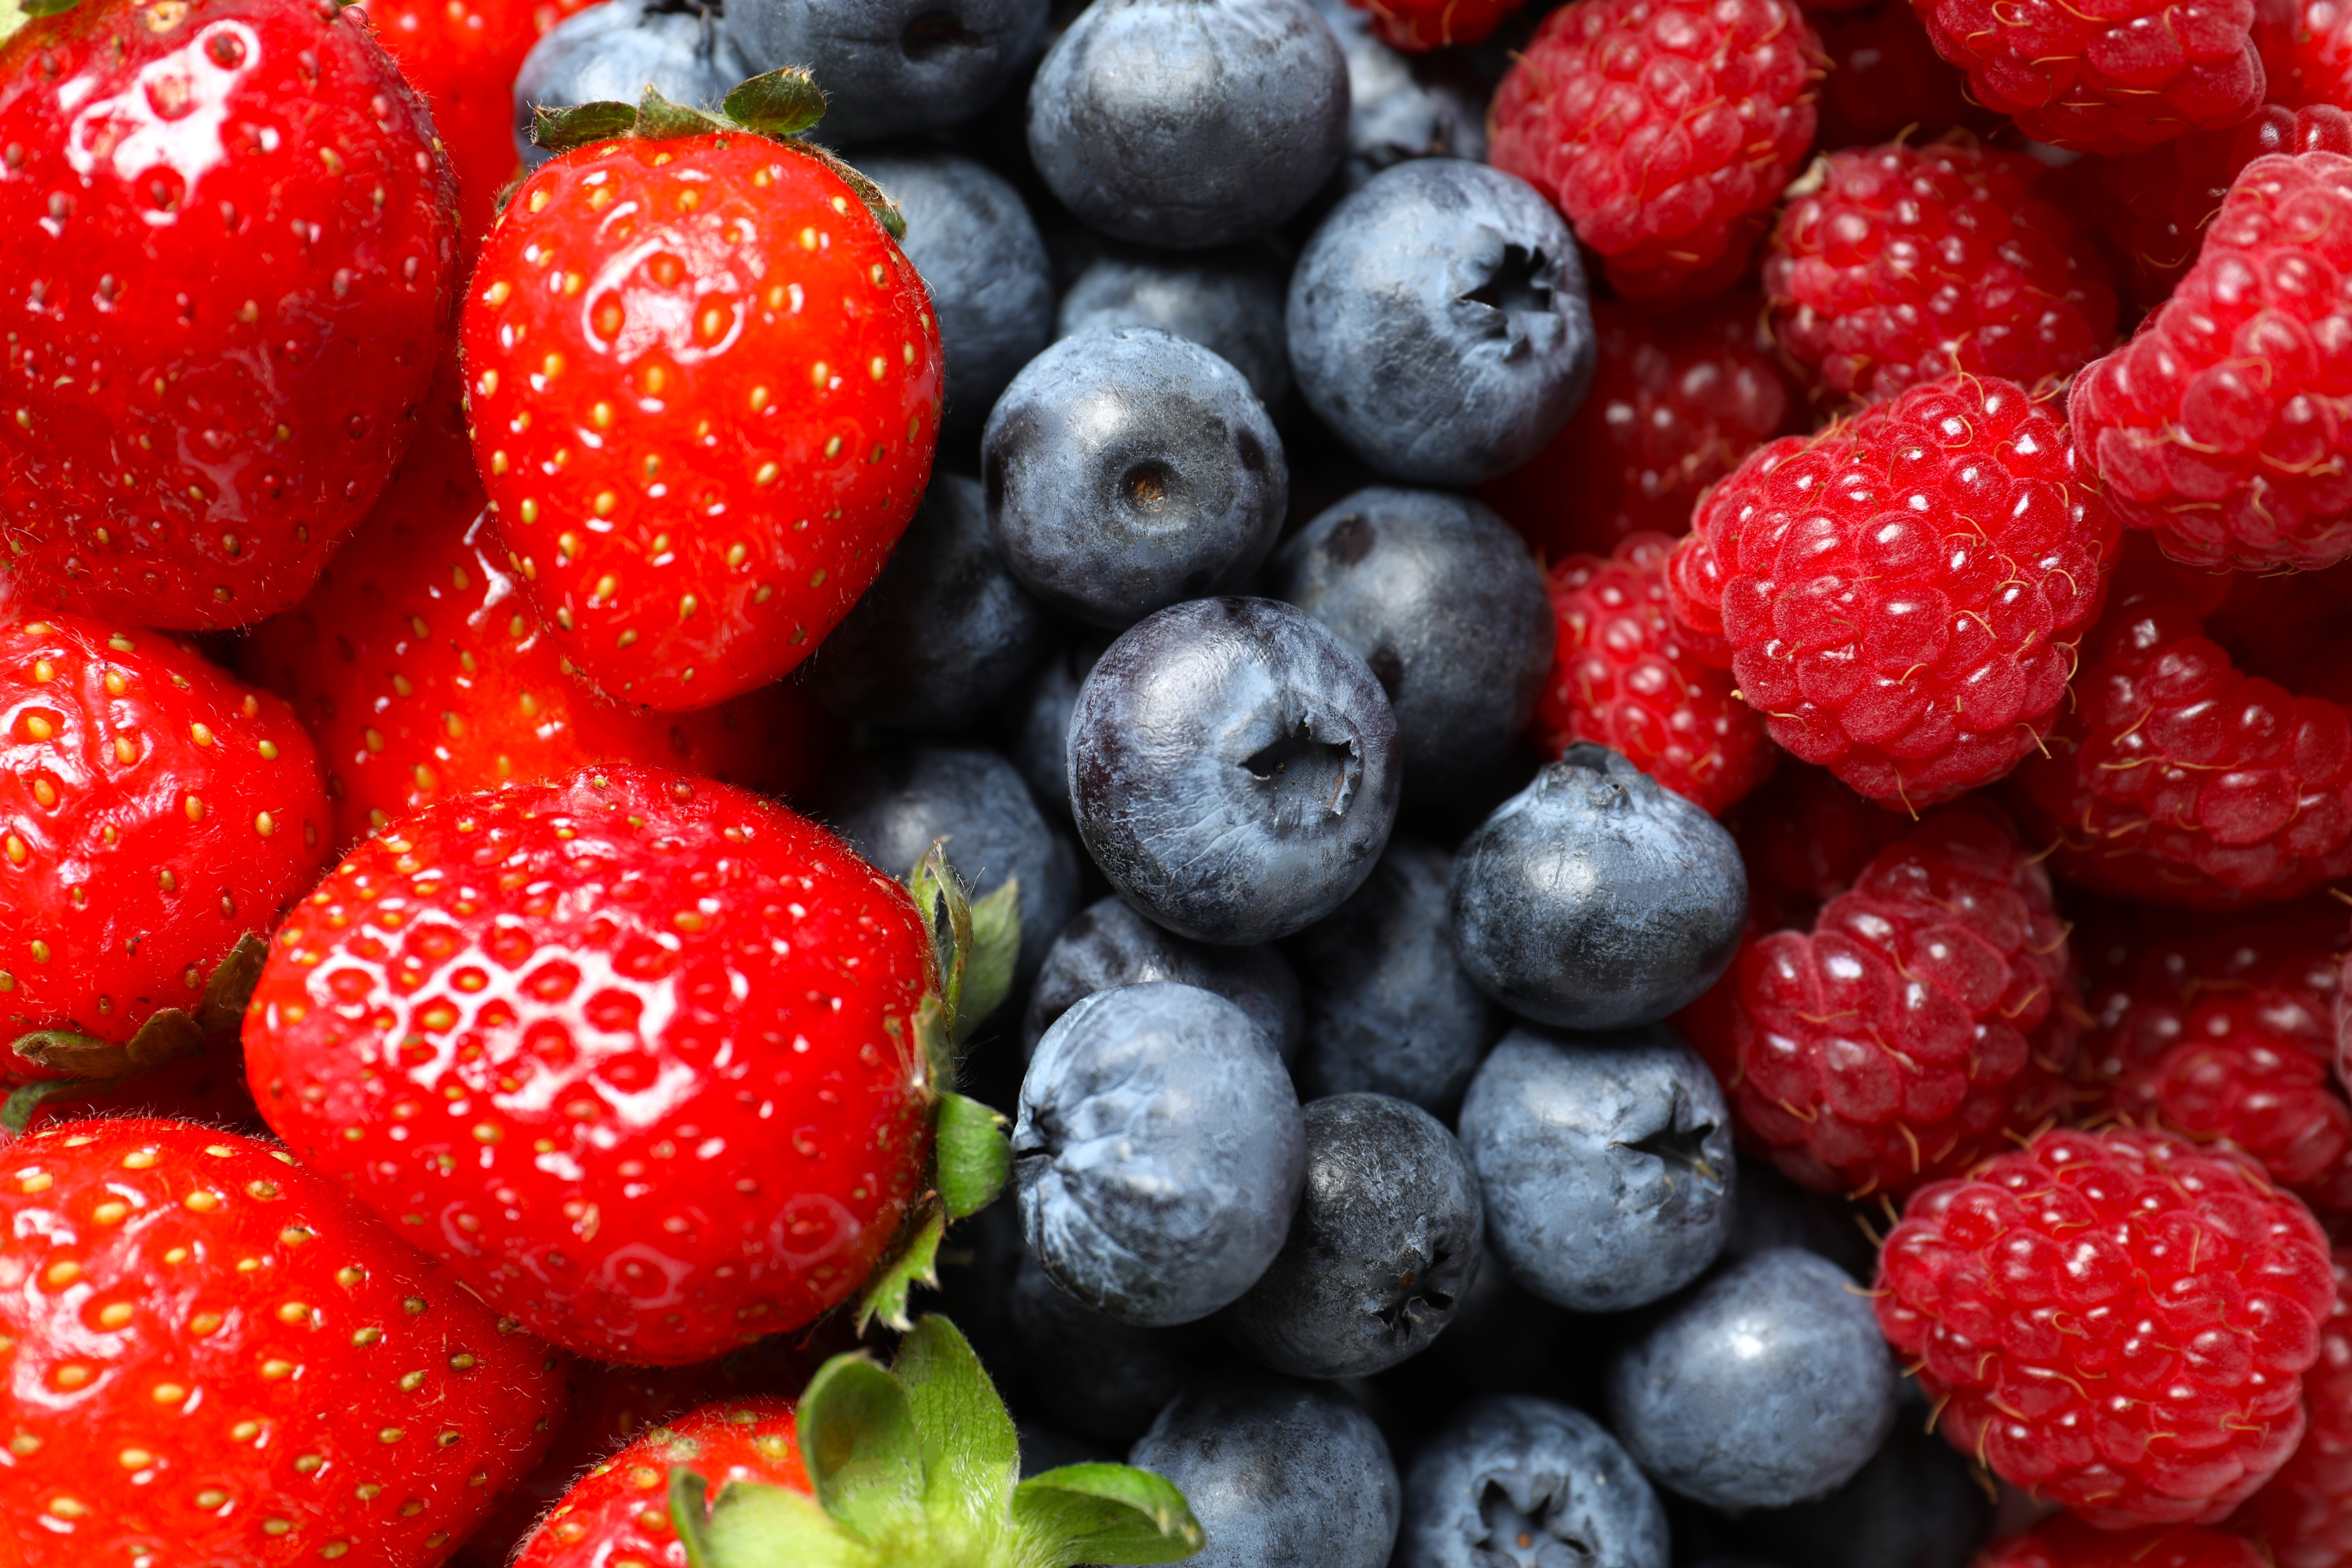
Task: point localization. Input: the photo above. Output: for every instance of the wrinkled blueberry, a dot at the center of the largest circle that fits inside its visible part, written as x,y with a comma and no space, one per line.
1439,323
1100,1378
1039,720
1517,1480
614,51
1400,106
890,68
1233,769
1228,301
1109,944
1917,1504
1159,1152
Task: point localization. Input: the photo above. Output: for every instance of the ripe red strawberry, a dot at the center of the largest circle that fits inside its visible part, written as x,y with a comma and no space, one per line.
1898,264
1678,397
1662,130
1416,25
232,249
706,388
1884,76
2116,1321
1901,595
2304,1517
619,1512
218,1358
422,671
636,1054
2065,1541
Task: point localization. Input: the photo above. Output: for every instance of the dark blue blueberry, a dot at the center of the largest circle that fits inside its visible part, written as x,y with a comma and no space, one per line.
1280,1474
890,67
1917,1504
1520,1482
991,281
1109,944
1233,769
1228,301
1439,323
1767,1385
1128,469
1445,603
1388,1009
614,51
1100,1378
1606,1165
1595,899
1386,1242
942,633
1159,1152
1038,720
891,804
1401,106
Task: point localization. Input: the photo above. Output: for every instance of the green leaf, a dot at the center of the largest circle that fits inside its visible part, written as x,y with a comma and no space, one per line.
972,1154
939,895
758,1526
16,1111
780,103
914,1262
660,119
1107,1515
560,130
971,1452
168,1032
864,1453
995,951
231,986
46,8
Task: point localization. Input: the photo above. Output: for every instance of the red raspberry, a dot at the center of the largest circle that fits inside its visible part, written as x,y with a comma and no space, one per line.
1664,130
2306,49
1416,25
1918,1022
1884,76
2223,1030
2217,427
2107,78
2117,1321
1901,593
2304,1517
1898,264
2065,1541
1622,678
1677,399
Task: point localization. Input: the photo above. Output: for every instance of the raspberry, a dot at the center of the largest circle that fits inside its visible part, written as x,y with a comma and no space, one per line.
1416,26
2064,1541
2117,1321
2107,78
2306,49
1884,76
1677,399
1898,264
1662,130
2217,427
2304,1517
1621,678
1918,1022
1901,593
2223,1030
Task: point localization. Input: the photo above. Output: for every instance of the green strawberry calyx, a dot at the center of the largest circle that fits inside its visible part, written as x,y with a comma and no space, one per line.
917,1466
780,106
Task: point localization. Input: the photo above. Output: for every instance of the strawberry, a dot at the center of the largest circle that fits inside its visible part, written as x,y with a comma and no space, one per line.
217,1358
422,673
705,391
232,249
619,1512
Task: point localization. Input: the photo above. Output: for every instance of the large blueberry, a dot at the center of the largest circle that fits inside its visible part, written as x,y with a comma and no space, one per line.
1233,769
1402,106
1595,899
1768,1384
1606,1165
1515,1480
1109,944
1449,609
1127,468
1280,1474
614,51
981,257
1439,323
1159,1152
1098,1377
1388,1009
1037,719
942,633
1386,1242
1228,301
890,68
1188,123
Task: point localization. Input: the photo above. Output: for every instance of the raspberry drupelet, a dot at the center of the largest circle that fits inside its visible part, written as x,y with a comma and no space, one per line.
2304,1517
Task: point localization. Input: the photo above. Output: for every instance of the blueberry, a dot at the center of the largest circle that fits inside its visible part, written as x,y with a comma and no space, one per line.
1606,1161
1385,1243
890,67
614,51
1109,944
1128,469
1400,106
942,633
1228,301
990,280
1388,1009
1189,124
1917,1504
1100,1378
1280,1474
1595,899
1233,769
1767,1385
1516,1480
1439,323
891,804
1449,609
1159,1152
1037,725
